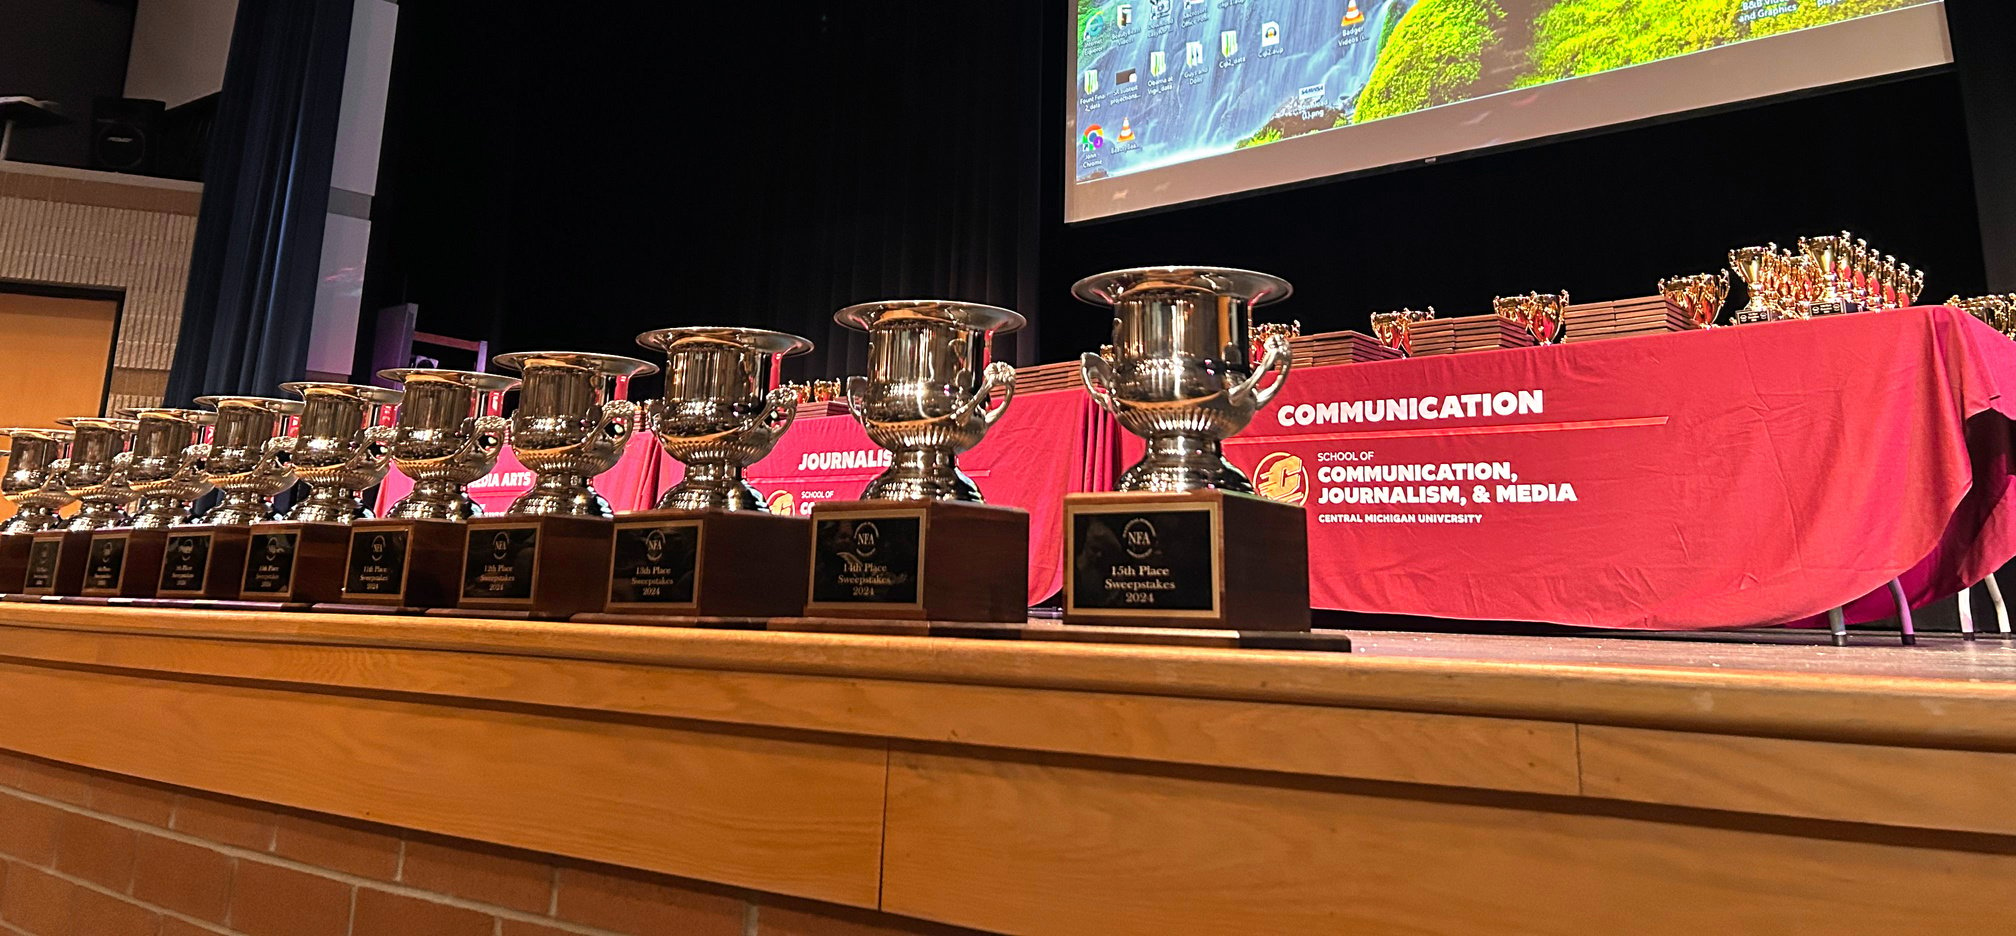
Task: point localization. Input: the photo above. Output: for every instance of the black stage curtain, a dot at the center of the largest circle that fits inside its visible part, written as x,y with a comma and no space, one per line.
568,175
571,174
258,251
1982,31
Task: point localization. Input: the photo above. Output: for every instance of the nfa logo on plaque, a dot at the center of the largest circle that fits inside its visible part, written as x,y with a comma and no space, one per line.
1138,538
1282,477
654,546
500,545
865,535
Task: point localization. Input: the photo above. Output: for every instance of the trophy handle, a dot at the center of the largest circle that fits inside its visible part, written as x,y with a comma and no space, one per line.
1249,392
375,451
276,455
485,436
122,464
1099,379
619,419
999,374
781,410
857,387
193,457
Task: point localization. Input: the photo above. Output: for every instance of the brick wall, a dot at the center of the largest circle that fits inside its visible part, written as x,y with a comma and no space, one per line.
84,853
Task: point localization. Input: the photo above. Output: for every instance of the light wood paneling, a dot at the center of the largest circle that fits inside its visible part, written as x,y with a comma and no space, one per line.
795,816
1946,711
1051,848
1917,787
58,350
1454,750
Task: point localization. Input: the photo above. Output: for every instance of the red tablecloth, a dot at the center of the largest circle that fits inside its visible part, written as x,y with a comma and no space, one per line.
627,486
1045,446
1737,476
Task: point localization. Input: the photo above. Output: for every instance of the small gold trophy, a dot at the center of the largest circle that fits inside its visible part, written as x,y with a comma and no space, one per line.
1539,314
1396,329
1700,296
1998,311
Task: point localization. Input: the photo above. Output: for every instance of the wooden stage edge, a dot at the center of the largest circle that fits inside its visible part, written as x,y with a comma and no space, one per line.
1420,784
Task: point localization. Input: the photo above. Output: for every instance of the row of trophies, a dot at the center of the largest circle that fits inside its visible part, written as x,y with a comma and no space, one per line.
1826,275
1831,274
920,543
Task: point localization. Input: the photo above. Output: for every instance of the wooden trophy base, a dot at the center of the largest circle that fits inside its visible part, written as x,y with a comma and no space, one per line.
924,561
124,563
201,565
56,562
294,564
705,563
542,567
395,566
14,561
1200,559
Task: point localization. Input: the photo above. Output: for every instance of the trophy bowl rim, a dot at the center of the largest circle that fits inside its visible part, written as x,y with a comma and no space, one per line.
1256,288
479,381
980,316
197,416
610,365
367,393
36,432
755,339
268,404
114,423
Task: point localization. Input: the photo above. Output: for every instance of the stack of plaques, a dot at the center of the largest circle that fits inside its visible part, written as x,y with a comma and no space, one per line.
812,408
1623,318
1062,375
1468,333
1339,347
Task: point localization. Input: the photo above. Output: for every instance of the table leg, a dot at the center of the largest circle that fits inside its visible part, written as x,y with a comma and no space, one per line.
1995,596
1909,635
1838,626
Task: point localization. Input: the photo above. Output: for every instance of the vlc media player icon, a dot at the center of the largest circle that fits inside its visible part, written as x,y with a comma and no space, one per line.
1126,134
1352,15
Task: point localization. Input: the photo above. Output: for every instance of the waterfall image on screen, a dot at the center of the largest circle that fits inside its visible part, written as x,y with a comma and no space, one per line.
1190,96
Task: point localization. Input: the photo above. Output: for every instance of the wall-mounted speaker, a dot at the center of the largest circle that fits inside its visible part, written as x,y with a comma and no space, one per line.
123,134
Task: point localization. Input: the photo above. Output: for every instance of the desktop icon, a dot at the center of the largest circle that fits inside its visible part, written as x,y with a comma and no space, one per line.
1094,139
1270,34
1228,43
1352,15
1159,7
1157,62
1089,81
1126,134
1095,27
1123,15
1193,54
1123,78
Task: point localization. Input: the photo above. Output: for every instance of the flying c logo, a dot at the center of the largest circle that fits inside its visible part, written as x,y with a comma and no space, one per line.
1282,477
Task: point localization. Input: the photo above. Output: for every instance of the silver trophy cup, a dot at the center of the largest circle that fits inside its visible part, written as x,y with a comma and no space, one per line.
925,397
340,449
447,435
248,456
95,473
569,428
35,459
167,467
723,409
1180,376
